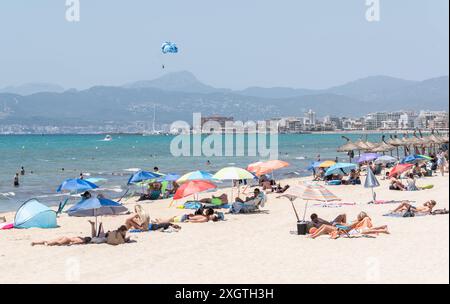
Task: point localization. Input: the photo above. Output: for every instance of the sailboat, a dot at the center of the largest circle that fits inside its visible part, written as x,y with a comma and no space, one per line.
154,131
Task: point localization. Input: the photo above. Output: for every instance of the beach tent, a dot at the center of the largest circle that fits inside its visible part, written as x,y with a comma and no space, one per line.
33,214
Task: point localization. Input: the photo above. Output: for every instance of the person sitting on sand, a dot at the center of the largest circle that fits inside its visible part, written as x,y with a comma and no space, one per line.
317,222
279,189
115,237
64,241
363,225
141,221
396,184
320,175
426,208
411,183
418,171
353,178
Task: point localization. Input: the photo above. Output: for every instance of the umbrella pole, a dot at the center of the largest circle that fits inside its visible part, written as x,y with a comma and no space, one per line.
295,210
304,214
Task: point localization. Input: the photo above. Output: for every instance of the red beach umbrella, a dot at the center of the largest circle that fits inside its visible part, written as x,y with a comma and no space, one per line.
193,187
399,169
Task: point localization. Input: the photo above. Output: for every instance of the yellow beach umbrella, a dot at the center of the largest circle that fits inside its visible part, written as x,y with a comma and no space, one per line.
327,164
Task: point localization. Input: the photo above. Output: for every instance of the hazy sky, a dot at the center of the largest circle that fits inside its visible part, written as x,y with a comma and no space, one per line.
226,43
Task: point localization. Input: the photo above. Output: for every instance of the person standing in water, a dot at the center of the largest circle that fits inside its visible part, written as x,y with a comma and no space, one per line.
81,175
16,180
22,171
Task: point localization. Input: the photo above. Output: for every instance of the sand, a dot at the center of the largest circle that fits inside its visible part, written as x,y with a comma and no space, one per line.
257,248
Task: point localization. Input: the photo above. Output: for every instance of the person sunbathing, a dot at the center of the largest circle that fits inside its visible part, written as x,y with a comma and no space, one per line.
317,222
216,200
190,218
64,241
279,189
427,207
115,237
363,225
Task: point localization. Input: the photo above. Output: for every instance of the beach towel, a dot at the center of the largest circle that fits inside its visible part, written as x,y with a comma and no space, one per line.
379,202
334,183
333,204
192,205
401,214
427,187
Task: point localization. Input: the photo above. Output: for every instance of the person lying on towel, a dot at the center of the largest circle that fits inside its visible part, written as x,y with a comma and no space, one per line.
362,226
426,208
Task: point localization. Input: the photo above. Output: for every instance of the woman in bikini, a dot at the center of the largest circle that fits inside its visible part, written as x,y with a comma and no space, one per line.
427,207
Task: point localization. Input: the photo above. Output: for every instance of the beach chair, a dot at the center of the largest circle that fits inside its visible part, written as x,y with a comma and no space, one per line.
61,206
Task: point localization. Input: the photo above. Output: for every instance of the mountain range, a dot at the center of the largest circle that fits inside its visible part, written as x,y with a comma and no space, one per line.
177,95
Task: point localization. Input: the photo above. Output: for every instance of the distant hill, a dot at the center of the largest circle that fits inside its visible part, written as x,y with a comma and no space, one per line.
178,95
32,88
179,82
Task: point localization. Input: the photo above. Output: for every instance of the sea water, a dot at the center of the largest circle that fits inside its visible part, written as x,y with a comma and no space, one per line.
50,159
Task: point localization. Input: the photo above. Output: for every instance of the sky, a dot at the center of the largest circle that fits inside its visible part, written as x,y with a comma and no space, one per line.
226,43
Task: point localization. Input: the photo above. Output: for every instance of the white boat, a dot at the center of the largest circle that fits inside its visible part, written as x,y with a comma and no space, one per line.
107,138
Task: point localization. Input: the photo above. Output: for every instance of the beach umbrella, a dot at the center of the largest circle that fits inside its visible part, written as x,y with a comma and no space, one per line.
75,185
193,187
254,166
95,207
195,175
340,168
327,164
399,169
313,166
367,157
233,173
415,158
141,176
385,159
317,193
171,177
383,147
96,180
270,166
350,146
371,182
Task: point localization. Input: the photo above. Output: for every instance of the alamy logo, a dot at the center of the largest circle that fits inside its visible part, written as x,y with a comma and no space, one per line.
73,10
373,10
227,138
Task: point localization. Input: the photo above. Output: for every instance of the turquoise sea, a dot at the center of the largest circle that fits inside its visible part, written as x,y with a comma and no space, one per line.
46,156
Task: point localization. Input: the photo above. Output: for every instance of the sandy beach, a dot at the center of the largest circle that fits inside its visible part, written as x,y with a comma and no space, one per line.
257,248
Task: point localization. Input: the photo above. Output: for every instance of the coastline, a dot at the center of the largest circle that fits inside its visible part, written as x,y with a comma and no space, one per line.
256,248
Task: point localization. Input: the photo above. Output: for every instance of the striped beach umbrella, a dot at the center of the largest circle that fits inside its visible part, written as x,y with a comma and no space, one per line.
233,173
318,193
195,175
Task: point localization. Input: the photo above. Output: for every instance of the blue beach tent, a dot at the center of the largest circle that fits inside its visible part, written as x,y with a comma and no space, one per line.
33,214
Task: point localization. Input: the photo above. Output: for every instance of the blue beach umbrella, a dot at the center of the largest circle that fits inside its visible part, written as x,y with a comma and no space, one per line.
96,207
411,159
313,166
75,185
340,168
141,176
171,177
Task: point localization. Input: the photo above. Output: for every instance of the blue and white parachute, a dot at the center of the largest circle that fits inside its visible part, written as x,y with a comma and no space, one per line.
169,47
